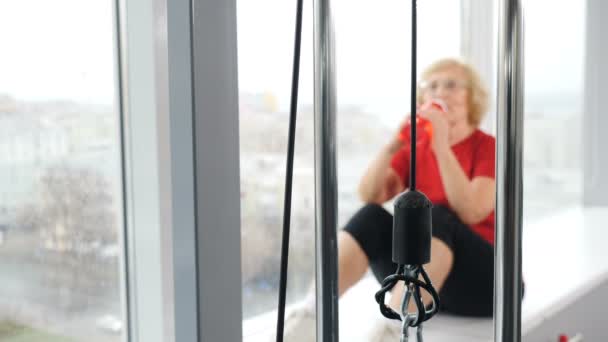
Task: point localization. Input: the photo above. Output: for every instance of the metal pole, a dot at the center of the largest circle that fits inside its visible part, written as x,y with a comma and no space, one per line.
325,174
509,182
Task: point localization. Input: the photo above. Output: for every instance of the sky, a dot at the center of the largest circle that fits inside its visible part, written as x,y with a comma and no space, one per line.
372,48
60,49
63,49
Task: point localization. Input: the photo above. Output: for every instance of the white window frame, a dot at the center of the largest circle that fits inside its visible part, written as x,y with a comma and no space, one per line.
179,107
595,121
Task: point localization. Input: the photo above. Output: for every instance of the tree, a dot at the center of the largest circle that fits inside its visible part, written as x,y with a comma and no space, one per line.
73,208
72,218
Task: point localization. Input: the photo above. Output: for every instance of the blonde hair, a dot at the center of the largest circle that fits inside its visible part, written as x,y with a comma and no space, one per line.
478,95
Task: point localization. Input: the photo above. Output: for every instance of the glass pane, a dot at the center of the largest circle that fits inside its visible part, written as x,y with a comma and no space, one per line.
373,66
60,184
265,40
553,106
553,169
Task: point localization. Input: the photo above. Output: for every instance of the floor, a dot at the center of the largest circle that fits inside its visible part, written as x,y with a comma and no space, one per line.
564,258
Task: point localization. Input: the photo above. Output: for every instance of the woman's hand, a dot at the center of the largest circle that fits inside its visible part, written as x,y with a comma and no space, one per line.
441,127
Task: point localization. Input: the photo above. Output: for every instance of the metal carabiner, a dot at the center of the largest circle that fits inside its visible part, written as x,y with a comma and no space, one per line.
408,319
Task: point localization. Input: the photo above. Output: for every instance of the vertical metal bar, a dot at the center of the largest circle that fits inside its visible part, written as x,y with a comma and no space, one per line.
325,174
509,185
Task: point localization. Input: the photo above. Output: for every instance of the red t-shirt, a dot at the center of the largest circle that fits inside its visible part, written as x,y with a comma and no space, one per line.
476,155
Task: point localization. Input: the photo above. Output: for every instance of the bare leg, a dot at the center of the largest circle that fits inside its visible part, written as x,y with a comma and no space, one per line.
352,262
438,270
352,265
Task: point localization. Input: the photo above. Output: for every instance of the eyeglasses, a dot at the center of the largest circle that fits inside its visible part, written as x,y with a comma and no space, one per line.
449,85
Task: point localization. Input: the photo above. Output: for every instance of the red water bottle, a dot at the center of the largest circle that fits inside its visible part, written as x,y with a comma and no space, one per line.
424,128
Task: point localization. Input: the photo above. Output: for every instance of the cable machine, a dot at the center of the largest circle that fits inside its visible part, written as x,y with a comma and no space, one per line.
412,225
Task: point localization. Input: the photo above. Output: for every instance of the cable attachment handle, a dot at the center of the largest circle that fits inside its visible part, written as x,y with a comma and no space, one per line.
412,231
412,291
410,275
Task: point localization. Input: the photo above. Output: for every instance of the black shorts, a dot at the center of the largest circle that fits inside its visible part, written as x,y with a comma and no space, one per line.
469,288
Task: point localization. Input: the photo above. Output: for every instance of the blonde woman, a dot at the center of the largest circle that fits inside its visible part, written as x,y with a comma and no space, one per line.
456,171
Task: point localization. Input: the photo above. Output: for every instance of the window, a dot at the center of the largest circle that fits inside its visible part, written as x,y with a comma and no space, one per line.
373,63
553,104
265,45
60,185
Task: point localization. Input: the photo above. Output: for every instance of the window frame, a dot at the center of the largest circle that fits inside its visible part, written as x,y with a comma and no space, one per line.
179,114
